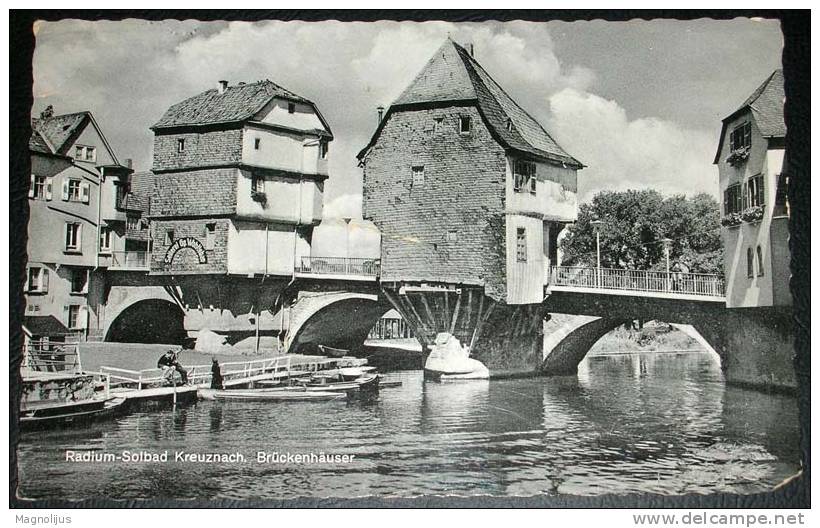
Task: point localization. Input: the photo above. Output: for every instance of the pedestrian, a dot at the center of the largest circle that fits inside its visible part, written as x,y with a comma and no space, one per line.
169,364
216,375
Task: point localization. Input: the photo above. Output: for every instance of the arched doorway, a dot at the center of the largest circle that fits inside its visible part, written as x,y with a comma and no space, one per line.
149,321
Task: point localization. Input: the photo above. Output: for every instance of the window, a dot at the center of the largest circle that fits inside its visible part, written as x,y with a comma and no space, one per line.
180,144
781,197
759,262
509,125
85,153
437,124
521,245
105,239
40,188
755,191
74,190
750,263
72,236
74,316
210,236
732,200
323,148
524,179
257,184
257,142
291,108
79,280
37,280
741,137
452,236
464,124
418,175
122,193
169,237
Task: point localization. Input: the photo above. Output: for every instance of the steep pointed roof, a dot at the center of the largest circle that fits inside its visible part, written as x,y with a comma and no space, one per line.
453,75
766,105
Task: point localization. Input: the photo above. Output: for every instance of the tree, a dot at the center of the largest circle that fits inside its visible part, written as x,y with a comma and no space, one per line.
635,222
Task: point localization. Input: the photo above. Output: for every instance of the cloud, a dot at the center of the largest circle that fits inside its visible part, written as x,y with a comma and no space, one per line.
344,206
625,154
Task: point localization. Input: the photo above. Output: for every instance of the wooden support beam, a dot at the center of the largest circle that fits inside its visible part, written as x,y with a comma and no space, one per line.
469,308
399,306
455,314
446,317
427,309
479,326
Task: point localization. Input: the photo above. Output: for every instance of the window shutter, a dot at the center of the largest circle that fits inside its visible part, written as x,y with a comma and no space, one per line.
85,192
49,183
65,189
31,189
79,237
65,235
44,280
82,318
25,286
66,313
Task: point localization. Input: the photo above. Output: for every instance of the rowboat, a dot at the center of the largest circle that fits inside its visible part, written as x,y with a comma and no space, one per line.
368,382
333,352
45,415
272,395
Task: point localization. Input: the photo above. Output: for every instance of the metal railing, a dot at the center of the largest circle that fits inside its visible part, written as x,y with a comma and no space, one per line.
200,375
339,266
51,356
638,280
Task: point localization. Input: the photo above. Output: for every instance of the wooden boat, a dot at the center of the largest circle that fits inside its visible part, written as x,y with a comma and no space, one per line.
47,415
389,384
272,395
333,352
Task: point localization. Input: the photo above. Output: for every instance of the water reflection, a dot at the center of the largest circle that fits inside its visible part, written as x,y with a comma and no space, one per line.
625,424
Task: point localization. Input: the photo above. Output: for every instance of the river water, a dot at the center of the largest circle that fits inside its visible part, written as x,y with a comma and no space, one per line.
659,423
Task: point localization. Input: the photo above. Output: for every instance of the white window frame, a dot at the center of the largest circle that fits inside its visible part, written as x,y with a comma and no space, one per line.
418,176
257,184
75,184
73,243
105,239
74,311
465,119
521,245
85,153
525,176
180,145
41,272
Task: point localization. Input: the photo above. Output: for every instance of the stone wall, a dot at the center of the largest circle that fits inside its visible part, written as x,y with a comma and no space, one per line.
202,149
208,192
169,257
450,228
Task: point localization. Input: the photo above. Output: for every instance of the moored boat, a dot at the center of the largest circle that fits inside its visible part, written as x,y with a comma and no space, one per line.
272,395
45,415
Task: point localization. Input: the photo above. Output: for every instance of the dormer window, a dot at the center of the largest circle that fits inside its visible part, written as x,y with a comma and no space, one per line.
741,137
464,125
509,125
291,108
180,144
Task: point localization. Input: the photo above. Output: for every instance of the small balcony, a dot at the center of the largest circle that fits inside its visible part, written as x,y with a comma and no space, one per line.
338,267
130,260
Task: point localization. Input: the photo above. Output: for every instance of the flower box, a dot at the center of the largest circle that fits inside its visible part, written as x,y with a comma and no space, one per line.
738,156
259,197
731,220
752,214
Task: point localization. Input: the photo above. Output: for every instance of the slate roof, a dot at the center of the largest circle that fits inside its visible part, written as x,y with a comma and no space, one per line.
766,104
44,325
237,103
142,186
451,75
60,130
37,143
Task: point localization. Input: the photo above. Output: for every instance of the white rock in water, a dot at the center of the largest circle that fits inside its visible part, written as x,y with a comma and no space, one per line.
209,342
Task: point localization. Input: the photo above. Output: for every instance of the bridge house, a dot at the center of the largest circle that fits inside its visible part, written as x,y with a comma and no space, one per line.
470,194
78,206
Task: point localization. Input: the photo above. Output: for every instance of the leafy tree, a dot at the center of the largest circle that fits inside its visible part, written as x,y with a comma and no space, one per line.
633,224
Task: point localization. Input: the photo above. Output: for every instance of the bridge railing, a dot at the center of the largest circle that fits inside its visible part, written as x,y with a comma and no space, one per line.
704,284
138,260
338,266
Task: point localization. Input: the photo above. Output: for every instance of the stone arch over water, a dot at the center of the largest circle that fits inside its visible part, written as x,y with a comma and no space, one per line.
148,320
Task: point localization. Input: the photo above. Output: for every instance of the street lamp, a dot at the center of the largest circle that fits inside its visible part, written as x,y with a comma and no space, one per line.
596,225
667,246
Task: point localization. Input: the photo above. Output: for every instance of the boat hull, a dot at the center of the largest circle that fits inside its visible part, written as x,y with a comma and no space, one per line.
58,417
270,395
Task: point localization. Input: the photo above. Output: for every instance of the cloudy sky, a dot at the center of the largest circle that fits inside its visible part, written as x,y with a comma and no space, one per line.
638,102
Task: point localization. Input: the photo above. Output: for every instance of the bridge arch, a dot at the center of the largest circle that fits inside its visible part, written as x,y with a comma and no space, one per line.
568,339
337,319
148,320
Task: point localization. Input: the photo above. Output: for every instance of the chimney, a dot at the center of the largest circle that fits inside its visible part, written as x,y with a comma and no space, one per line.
380,110
129,163
47,113
223,85
471,49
